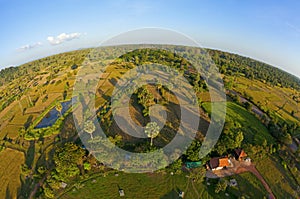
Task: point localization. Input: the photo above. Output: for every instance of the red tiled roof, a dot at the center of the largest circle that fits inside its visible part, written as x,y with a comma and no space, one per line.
223,162
218,162
240,153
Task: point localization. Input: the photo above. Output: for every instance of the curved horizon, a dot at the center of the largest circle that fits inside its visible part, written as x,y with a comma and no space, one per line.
91,47
265,31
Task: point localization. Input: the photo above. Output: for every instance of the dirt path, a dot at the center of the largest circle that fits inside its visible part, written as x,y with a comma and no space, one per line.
251,168
37,186
41,182
238,168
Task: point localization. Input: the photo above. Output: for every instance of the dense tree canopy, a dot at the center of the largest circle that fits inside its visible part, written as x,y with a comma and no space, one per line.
67,159
231,138
231,64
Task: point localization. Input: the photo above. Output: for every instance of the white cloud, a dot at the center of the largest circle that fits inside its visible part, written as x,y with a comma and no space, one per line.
30,46
63,37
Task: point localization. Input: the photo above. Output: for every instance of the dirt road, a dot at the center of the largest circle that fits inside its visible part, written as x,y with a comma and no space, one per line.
237,168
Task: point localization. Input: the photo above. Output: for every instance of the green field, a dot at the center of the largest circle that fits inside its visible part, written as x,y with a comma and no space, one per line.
162,186
279,179
33,97
254,131
10,165
274,98
248,186
137,186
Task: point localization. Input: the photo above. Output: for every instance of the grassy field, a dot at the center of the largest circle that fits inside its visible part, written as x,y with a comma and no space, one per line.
248,186
33,103
254,131
137,186
12,120
278,178
280,100
10,173
162,186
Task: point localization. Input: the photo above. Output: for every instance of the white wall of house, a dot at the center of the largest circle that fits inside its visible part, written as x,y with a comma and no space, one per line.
218,168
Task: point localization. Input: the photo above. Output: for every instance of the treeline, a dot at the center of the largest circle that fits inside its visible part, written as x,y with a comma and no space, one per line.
166,58
142,56
231,64
228,63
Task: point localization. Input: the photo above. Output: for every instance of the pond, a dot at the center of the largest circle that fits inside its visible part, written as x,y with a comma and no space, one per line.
52,116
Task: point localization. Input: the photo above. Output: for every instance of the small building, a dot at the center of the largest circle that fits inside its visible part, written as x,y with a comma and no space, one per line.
121,192
239,154
218,163
191,165
63,185
233,183
181,194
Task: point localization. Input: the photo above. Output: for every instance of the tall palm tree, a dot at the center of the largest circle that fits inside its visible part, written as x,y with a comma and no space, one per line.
152,131
89,127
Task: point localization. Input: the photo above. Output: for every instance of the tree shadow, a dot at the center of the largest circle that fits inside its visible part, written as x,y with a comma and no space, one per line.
113,81
171,195
8,193
68,130
30,154
24,189
28,122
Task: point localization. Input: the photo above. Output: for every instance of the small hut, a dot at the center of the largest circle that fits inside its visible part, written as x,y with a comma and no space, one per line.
240,154
121,192
181,194
192,165
218,163
63,185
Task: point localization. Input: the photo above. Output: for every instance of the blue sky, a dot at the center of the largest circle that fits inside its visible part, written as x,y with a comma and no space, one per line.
264,30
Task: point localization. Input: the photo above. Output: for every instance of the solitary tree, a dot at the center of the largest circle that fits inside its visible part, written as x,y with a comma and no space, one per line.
287,139
248,106
198,174
59,107
152,131
221,186
89,127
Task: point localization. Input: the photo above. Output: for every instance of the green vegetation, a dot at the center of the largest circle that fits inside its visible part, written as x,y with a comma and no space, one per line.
11,169
238,119
162,185
262,117
282,184
221,186
248,186
138,186
231,64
